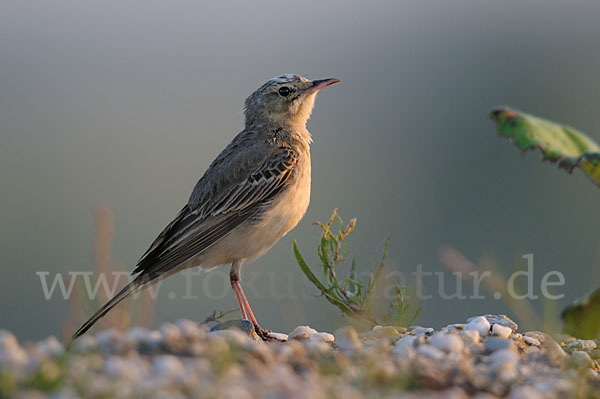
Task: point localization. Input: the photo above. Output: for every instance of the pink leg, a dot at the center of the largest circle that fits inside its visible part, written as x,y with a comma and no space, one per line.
234,278
236,290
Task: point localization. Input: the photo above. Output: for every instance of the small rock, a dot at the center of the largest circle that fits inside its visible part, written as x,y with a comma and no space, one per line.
582,345
51,347
119,367
471,336
139,337
422,331
109,341
346,338
523,392
11,353
581,360
404,350
384,332
190,329
504,359
302,332
322,337
168,366
407,339
501,319
455,327
494,344
278,336
430,351
446,342
479,324
540,336
501,331
531,341
85,343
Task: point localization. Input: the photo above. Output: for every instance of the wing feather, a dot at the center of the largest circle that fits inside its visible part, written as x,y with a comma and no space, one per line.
199,226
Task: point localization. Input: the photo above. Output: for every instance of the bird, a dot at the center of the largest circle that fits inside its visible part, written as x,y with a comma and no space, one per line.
254,192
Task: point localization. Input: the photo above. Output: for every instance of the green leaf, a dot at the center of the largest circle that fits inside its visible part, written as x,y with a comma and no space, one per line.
558,143
582,318
306,269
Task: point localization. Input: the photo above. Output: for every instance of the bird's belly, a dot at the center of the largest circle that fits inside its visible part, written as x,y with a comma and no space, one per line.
256,236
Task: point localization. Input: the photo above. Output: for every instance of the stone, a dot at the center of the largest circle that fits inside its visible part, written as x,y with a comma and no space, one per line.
12,356
582,345
302,332
422,331
404,350
446,342
479,324
322,337
278,336
109,341
190,329
167,366
384,332
531,341
407,339
581,360
501,319
540,336
431,352
503,359
51,347
494,344
501,331
346,339
470,336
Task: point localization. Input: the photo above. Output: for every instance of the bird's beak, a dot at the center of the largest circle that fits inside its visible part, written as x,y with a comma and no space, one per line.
319,84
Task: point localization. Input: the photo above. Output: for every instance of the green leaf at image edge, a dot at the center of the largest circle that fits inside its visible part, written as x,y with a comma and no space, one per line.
558,143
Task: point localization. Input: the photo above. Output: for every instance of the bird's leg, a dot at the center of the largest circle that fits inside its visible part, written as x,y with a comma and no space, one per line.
234,278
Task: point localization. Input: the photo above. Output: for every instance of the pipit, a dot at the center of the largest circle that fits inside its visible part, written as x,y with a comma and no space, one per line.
252,194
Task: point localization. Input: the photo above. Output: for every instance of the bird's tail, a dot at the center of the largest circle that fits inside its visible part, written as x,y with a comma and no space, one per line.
129,289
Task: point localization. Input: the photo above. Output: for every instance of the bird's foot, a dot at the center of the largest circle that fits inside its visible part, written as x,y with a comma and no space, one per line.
264,334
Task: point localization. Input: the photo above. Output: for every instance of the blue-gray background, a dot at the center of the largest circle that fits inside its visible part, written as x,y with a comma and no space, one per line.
126,103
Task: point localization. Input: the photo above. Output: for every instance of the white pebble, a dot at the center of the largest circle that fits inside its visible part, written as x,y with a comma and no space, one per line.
51,347
471,335
346,338
446,342
322,337
302,332
504,359
430,351
168,365
278,336
11,354
407,339
404,350
479,324
190,329
501,331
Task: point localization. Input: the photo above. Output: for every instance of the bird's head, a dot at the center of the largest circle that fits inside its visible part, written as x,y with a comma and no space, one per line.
286,100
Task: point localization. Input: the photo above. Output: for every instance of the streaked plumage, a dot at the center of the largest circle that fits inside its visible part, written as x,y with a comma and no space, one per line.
251,195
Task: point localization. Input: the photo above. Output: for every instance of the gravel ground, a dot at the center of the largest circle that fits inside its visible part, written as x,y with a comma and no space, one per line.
483,358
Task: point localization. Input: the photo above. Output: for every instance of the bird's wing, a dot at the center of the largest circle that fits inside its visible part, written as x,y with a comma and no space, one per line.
200,225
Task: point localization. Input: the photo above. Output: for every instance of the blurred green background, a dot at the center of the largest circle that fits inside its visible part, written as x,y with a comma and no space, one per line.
127,103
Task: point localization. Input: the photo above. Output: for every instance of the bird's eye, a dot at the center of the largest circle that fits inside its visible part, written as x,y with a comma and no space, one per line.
284,91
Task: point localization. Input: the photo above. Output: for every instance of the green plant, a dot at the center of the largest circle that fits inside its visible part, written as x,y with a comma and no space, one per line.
350,294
